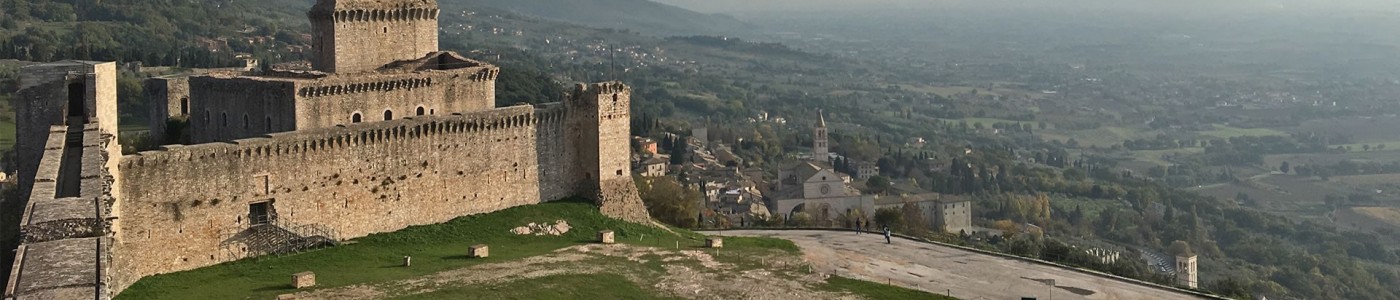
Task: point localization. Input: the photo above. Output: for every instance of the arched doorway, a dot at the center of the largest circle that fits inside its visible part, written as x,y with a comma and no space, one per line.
388,115
355,118
421,110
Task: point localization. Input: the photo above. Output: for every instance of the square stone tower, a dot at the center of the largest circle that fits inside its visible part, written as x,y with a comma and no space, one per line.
350,36
71,93
600,129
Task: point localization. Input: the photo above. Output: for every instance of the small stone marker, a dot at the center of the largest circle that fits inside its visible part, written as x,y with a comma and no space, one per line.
714,242
287,297
407,261
478,251
304,280
606,237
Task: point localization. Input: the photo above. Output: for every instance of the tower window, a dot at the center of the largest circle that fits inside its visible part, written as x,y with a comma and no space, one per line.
224,116
388,115
269,124
185,106
420,110
355,118
245,122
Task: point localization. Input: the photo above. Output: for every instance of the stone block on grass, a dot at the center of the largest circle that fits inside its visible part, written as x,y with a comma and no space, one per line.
304,280
714,242
606,237
478,251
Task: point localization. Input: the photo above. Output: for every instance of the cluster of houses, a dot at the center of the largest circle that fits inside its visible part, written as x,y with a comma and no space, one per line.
811,186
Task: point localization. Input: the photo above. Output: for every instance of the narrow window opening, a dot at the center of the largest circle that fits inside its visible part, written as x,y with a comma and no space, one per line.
420,110
388,115
269,124
185,106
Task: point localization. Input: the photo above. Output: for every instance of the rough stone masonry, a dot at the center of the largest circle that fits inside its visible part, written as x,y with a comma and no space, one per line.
387,133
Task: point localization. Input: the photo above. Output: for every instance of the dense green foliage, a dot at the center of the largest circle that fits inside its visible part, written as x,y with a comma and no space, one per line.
164,32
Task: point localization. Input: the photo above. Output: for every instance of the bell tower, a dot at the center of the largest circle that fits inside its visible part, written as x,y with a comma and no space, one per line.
350,36
820,148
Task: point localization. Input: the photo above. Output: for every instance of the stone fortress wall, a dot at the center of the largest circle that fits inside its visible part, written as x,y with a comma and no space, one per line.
360,179
291,157
67,112
226,108
174,93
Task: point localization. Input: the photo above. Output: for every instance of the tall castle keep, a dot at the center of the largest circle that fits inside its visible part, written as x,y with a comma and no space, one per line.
386,133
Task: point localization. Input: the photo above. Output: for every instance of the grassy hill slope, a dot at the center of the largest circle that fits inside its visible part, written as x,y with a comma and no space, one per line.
523,266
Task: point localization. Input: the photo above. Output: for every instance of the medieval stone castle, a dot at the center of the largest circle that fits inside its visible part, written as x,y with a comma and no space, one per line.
386,132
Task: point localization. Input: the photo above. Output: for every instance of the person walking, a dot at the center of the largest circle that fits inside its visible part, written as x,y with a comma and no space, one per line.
887,234
858,227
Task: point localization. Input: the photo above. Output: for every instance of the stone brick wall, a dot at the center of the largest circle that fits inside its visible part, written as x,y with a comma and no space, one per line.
358,36
604,140
224,109
182,208
275,104
43,99
170,98
64,254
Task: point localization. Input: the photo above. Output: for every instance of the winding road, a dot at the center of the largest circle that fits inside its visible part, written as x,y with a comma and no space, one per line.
947,270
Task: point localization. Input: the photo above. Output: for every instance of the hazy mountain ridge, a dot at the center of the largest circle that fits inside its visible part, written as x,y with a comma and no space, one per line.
637,15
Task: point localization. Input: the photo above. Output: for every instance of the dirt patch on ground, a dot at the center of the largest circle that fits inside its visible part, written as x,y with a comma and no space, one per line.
692,274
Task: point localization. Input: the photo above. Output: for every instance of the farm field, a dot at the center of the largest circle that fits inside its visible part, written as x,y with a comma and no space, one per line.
1362,130
1225,132
1332,158
1388,215
1292,196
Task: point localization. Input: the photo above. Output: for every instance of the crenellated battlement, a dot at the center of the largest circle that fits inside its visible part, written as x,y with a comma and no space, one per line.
357,135
356,88
380,15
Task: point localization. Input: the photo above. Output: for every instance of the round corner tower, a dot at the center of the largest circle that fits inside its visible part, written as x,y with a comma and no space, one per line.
362,35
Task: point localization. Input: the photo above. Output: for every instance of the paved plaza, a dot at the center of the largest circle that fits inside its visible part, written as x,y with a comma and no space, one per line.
961,273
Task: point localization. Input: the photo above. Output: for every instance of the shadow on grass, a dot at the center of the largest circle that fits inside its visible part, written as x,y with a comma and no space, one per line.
278,287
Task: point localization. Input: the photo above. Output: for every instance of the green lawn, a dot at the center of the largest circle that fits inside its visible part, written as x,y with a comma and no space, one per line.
572,286
871,290
376,259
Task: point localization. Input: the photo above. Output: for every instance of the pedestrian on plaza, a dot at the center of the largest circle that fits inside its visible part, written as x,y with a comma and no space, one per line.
887,234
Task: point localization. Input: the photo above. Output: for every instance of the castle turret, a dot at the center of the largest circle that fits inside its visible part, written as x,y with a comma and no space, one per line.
363,35
600,132
820,150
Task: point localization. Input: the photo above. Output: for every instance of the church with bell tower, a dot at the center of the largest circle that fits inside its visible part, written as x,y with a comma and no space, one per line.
814,183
